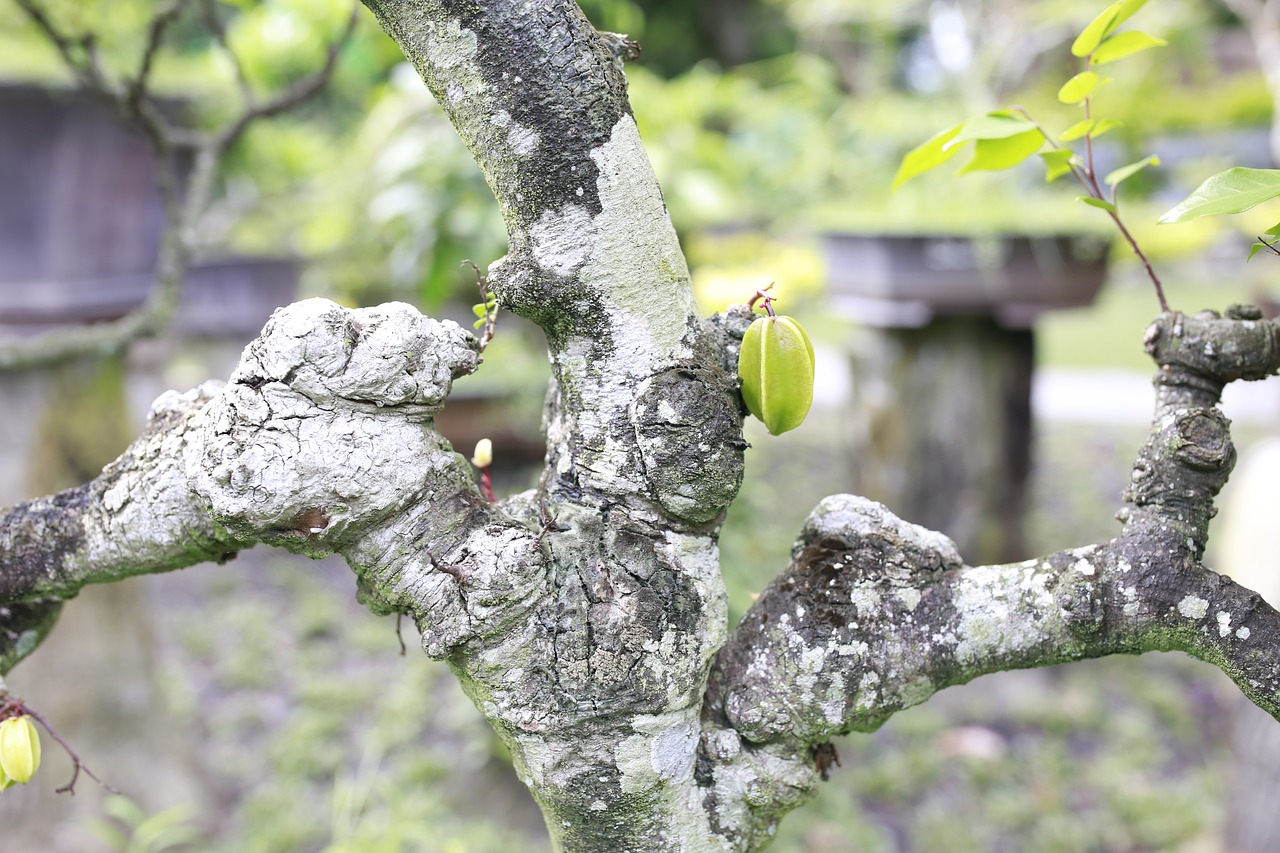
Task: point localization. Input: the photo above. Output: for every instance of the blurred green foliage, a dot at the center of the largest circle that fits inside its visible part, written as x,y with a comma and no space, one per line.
784,116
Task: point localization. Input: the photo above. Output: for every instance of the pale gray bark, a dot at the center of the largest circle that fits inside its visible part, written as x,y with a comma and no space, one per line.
586,617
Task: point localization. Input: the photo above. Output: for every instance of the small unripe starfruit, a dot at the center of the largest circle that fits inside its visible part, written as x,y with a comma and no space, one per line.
19,749
776,366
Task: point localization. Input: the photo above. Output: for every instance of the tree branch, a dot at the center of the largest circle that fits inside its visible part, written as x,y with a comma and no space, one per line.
875,615
138,517
137,87
298,93
209,13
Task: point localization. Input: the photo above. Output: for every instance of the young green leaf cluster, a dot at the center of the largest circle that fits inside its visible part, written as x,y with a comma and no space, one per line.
1005,138
483,310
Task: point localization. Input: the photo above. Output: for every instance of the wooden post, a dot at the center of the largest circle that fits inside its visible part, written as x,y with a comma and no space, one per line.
940,428
940,425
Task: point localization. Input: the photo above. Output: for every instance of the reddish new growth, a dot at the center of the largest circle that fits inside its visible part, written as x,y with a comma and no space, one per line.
763,293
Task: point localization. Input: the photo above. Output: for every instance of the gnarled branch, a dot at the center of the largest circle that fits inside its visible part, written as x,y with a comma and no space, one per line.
875,615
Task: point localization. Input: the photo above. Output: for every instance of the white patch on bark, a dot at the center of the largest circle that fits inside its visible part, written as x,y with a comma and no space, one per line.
993,604
661,750
1193,607
1131,605
523,141
910,597
533,758
632,258
1243,633
451,45
1224,623
562,241
865,600
868,694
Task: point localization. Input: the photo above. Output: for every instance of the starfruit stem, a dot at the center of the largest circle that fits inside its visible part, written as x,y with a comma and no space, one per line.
16,708
763,293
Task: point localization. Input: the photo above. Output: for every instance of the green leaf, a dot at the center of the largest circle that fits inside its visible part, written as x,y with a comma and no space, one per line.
930,154
1132,169
1096,30
1273,231
1078,87
1126,11
1232,191
1089,127
992,155
478,309
1056,163
1121,45
1097,202
997,125
1104,25
1077,130
1103,125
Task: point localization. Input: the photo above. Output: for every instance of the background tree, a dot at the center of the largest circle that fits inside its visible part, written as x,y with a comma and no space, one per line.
586,618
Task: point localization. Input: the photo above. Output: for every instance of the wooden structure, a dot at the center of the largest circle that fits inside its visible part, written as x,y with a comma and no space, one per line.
940,425
80,223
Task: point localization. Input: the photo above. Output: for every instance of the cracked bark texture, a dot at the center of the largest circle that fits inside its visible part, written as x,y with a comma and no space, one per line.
586,618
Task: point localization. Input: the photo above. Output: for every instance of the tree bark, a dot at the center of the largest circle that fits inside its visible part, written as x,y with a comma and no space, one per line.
584,617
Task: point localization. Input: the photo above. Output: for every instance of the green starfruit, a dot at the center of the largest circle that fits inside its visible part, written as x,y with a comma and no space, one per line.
776,366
